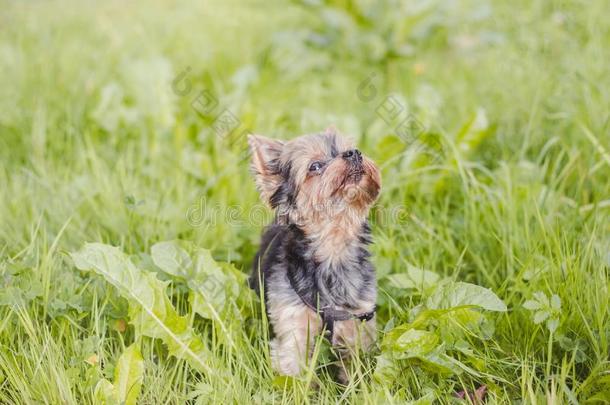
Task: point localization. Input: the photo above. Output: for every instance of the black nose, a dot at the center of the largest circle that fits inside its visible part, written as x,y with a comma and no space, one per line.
352,155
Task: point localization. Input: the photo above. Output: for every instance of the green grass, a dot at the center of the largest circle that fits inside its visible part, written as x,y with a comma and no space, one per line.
95,146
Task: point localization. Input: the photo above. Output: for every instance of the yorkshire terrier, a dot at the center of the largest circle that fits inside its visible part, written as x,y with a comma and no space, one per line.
313,262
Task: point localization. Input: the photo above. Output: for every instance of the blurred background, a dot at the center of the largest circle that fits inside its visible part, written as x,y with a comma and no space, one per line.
125,122
108,109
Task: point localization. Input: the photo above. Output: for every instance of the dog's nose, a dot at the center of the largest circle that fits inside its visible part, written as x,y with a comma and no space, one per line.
352,155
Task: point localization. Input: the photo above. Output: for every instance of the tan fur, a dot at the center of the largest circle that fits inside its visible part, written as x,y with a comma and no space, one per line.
349,337
354,334
295,327
331,238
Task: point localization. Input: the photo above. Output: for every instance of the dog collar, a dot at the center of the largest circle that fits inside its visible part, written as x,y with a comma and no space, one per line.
330,315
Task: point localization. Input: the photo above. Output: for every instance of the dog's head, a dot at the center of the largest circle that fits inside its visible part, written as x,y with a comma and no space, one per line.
314,178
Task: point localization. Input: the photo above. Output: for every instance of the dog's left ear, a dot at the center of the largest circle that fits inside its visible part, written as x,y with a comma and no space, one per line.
331,130
266,164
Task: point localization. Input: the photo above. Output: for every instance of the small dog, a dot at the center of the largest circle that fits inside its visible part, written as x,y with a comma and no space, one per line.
313,260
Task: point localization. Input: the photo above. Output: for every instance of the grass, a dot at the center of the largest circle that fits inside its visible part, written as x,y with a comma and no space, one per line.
96,146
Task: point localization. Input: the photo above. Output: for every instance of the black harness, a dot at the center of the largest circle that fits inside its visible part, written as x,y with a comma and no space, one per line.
316,302
328,314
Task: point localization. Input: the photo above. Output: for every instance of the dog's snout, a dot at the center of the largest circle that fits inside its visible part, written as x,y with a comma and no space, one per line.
352,155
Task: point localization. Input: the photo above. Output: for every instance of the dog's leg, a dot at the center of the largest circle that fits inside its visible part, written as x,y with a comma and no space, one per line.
349,337
295,327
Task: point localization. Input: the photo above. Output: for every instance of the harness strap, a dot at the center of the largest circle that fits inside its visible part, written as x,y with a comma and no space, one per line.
330,315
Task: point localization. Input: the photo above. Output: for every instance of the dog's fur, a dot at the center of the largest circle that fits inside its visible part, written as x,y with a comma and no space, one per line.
321,188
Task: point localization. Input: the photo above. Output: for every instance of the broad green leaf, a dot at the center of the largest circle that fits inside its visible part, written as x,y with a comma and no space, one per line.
105,393
172,258
387,344
552,324
542,298
414,277
404,343
451,295
414,342
441,363
12,296
128,375
400,280
532,305
455,326
541,316
386,368
150,310
21,287
555,302
212,283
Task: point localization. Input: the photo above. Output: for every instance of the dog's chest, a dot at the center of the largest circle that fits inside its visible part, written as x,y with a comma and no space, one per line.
343,284
341,278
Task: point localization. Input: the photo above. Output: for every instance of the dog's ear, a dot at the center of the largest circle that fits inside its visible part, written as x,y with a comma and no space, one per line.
331,130
266,164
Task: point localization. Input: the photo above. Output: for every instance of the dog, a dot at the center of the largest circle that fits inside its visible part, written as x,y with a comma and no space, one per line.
313,263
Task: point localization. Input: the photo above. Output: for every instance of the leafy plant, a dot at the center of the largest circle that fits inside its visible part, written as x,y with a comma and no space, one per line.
96,144
150,310
439,334
459,294
18,285
545,309
128,375
414,278
214,287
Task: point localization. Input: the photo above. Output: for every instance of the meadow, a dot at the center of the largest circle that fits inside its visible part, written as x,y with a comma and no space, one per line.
129,218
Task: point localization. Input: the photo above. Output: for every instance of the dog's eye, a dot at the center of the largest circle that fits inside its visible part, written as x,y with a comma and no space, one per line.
316,167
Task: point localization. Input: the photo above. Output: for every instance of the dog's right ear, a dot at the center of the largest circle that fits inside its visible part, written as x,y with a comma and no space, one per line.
266,164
